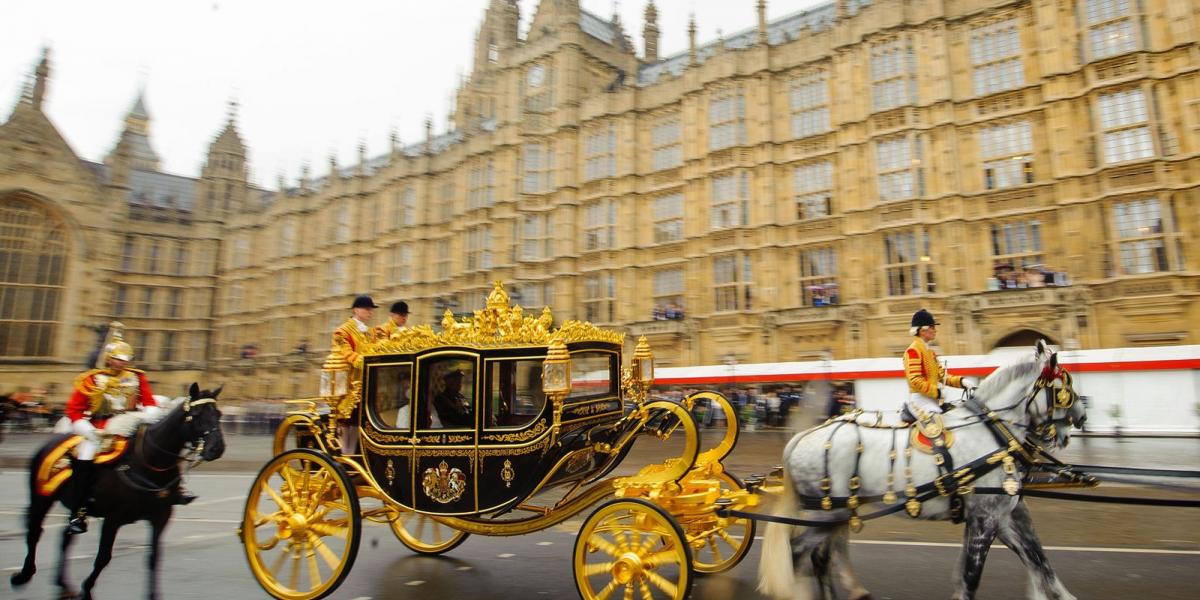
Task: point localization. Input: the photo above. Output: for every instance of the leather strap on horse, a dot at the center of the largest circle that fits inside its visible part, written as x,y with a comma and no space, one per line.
1034,493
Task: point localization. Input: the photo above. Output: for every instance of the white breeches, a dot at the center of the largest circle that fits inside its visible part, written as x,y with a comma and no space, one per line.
918,403
349,438
86,450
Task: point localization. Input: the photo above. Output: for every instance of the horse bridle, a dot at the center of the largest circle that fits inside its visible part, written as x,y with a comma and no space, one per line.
198,449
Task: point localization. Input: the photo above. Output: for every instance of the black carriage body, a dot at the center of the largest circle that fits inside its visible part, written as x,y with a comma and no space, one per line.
478,439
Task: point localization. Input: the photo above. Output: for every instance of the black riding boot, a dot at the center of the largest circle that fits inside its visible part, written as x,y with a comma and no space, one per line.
82,472
182,496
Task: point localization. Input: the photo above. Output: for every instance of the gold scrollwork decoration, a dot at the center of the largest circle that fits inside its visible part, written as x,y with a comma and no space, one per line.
515,451
390,472
518,437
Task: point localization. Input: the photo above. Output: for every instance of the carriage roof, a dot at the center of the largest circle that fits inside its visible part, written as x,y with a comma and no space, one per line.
497,326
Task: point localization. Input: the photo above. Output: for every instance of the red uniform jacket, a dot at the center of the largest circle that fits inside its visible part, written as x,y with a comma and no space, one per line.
99,394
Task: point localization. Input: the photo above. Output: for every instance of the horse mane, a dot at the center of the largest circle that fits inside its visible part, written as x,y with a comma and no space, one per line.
1005,375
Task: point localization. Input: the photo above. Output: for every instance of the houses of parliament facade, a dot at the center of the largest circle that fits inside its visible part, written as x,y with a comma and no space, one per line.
1021,168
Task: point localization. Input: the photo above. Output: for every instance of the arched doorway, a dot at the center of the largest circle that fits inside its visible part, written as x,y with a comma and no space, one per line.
1020,340
33,256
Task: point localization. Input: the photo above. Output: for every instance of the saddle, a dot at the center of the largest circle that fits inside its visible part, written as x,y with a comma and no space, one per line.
55,466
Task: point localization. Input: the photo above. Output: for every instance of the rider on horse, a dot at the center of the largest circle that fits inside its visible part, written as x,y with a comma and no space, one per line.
99,395
926,376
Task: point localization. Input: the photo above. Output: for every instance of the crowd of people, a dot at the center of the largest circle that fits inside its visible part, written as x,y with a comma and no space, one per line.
1007,277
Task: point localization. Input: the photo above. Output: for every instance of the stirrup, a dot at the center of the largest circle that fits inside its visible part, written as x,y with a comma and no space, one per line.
183,497
77,524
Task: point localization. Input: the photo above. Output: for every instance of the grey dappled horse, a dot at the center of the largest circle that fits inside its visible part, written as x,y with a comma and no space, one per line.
1012,392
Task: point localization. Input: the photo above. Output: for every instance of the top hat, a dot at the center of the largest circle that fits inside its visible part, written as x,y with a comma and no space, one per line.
364,301
400,308
923,318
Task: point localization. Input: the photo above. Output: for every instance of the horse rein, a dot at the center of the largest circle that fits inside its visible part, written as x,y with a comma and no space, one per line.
193,450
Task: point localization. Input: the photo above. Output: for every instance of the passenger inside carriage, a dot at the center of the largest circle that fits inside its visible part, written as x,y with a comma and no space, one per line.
515,395
450,399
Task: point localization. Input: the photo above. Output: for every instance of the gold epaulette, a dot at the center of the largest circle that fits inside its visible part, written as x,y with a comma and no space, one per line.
81,382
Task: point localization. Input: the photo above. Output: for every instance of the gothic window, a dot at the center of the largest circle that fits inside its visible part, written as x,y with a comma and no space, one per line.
668,293
666,143
1147,236
668,218
727,118
899,167
599,297
1007,153
809,102
1125,126
479,248
600,225
537,237
33,254
538,165
1112,27
731,282
600,153
908,266
996,57
818,277
730,201
814,189
893,66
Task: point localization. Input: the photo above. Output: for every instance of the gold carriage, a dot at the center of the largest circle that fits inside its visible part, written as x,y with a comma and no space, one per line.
500,424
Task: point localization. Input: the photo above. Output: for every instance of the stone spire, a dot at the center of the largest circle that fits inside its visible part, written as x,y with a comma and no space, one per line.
41,74
692,59
429,134
133,149
650,33
762,22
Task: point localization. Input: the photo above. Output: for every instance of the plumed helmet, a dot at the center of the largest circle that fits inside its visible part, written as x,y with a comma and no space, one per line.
120,350
923,318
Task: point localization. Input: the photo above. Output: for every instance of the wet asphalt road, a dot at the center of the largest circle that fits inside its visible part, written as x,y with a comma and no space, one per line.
1100,551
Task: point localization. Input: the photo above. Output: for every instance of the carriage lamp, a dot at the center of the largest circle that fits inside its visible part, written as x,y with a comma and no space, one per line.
335,376
556,371
643,362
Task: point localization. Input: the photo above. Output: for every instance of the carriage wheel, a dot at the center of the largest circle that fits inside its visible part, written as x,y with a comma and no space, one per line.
301,526
630,548
424,535
295,431
728,545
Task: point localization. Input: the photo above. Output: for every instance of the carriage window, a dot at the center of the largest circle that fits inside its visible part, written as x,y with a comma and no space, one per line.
515,396
449,394
391,391
592,375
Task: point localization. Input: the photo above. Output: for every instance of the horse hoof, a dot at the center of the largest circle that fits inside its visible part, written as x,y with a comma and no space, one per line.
20,578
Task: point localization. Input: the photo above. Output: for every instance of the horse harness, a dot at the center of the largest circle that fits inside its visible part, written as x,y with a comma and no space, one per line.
952,482
144,484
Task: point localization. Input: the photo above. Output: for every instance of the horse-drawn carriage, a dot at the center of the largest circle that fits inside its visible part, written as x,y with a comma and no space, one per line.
502,424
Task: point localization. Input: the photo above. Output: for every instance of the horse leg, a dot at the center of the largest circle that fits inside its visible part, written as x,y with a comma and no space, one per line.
157,524
108,536
65,589
811,555
1018,535
822,556
34,517
977,540
840,541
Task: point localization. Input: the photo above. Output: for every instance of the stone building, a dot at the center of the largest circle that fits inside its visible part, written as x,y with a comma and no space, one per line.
794,191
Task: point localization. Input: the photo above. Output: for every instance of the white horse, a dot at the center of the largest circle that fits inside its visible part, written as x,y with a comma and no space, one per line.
1032,397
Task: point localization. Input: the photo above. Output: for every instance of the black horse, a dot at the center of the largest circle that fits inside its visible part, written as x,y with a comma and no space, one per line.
139,487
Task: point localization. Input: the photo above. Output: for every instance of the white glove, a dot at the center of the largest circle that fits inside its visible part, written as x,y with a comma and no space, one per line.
151,414
970,382
84,428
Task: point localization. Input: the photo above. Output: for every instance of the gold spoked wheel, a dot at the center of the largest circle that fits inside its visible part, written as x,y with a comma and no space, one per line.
630,548
301,526
725,547
423,535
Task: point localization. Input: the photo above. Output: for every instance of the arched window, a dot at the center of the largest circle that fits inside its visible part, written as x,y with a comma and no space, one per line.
33,253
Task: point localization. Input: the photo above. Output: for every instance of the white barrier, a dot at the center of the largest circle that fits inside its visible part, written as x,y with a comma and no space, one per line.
1138,390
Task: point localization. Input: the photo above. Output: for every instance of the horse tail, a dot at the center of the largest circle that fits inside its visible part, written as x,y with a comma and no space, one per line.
776,571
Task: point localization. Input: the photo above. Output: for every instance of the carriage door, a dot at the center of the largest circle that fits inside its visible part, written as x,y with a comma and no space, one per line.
446,419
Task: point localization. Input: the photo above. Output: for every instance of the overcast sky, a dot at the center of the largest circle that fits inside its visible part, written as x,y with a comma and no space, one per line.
312,77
